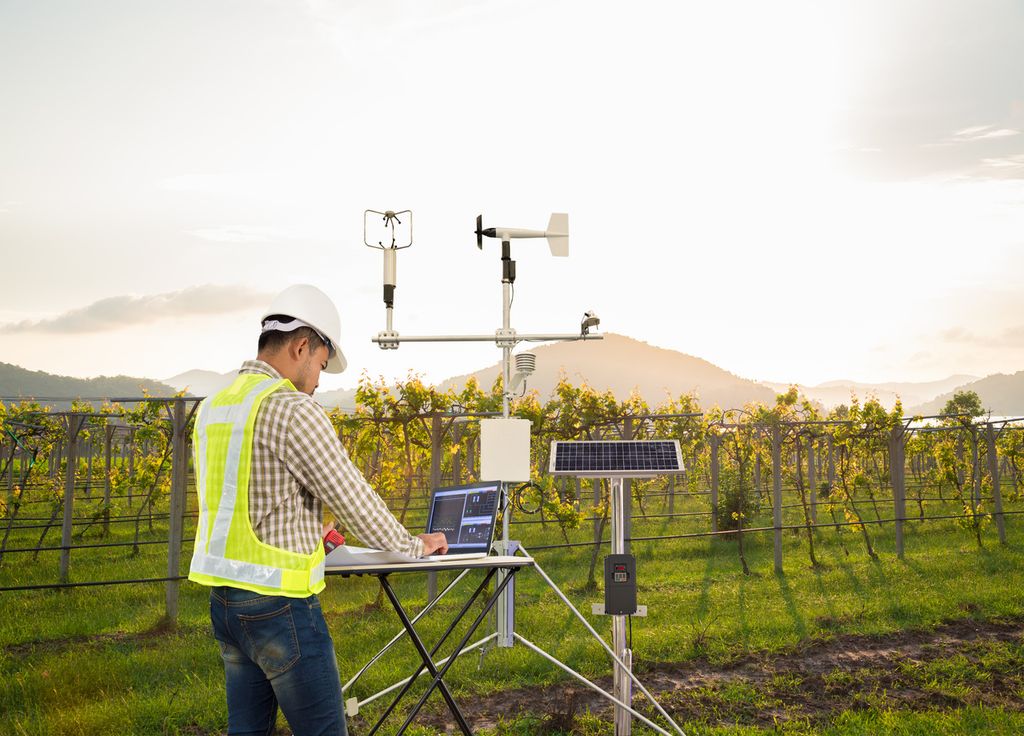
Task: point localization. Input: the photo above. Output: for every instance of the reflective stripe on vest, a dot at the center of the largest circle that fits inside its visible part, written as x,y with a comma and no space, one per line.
227,551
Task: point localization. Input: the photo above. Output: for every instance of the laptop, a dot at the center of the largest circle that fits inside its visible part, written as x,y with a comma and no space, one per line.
465,514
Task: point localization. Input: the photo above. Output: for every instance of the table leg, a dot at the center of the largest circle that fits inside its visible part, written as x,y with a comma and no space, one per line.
427,657
439,675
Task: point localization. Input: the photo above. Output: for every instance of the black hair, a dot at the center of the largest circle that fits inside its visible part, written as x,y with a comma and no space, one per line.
275,339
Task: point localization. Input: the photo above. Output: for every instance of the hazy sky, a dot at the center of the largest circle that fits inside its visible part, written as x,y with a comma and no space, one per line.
795,191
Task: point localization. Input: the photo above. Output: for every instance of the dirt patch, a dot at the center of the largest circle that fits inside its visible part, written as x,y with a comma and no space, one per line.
959,663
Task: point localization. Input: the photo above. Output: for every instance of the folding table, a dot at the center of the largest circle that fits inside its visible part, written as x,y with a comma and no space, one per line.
490,565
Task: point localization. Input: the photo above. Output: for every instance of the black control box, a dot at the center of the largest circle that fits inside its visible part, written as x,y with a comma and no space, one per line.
620,585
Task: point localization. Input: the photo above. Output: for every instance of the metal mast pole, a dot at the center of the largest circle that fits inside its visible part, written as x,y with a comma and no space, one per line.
505,606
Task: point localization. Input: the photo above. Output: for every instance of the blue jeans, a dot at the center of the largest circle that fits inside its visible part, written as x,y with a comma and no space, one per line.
277,652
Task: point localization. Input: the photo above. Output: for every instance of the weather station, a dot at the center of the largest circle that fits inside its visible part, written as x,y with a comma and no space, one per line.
505,459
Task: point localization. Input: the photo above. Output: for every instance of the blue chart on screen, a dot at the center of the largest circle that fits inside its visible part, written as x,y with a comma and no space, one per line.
615,457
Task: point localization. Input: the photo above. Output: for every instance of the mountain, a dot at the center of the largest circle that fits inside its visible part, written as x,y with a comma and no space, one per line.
204,383
201,383
343,398
621,364
58,391
1000,393
616,363
834,393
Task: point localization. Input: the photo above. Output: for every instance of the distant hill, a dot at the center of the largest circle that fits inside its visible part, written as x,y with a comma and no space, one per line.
833,393
58,391
620,364
1000,393
616,363
343,398
200,382
204,383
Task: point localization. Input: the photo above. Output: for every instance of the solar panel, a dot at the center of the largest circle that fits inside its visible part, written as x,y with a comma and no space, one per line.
623,458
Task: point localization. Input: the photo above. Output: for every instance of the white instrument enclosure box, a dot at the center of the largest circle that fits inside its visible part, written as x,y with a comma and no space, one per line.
505,449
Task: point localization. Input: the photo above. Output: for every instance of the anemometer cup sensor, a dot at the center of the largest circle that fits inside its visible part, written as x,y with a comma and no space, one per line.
388,220
384,221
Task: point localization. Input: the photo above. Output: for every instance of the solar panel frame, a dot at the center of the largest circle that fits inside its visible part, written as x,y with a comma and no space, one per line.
615,458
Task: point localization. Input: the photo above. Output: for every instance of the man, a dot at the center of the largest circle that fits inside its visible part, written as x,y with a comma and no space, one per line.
267,461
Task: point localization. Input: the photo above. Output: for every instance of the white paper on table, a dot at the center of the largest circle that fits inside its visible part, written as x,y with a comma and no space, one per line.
347,555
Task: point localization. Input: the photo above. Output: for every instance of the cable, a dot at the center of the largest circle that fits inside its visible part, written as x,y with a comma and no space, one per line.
517,498
92,584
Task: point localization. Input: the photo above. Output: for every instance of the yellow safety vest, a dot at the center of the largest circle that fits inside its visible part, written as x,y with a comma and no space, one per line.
227,551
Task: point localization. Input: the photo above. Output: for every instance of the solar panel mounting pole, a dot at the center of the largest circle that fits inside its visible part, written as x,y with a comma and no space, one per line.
616,461
622,686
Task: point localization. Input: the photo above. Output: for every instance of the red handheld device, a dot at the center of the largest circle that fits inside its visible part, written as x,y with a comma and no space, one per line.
333,540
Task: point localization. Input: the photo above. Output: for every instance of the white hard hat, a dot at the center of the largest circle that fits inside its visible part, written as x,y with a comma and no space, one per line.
310,305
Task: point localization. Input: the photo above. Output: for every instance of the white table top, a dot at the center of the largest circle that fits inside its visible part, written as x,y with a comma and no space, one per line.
430,565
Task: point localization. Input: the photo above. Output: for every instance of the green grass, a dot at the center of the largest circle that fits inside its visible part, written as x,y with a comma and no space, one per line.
100,660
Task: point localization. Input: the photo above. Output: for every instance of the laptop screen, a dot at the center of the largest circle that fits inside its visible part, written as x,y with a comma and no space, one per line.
465,514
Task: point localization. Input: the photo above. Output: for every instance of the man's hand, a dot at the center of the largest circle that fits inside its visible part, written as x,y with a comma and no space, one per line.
436,542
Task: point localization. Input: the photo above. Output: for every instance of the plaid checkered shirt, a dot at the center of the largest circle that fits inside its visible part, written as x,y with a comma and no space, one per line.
298,466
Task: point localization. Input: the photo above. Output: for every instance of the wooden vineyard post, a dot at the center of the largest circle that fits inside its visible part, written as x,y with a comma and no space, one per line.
975,475
757,474
179,477
55,460
812,480
73,424
90,450
10,469
715,439
897,462
997,494
108,437
131,465
777,495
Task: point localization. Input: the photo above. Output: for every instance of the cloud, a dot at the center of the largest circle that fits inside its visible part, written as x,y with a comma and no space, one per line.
1015,161
975,133
117,312
983,132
